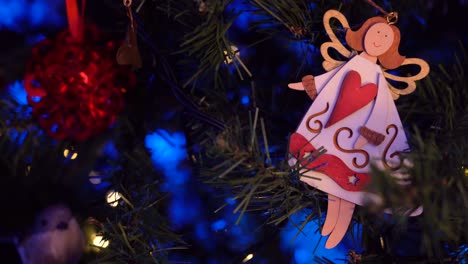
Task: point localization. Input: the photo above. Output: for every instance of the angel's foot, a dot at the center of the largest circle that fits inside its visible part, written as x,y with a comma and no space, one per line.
344,216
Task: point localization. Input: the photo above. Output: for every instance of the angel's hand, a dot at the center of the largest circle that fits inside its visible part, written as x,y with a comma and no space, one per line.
368,136
361,141
296,86
307,84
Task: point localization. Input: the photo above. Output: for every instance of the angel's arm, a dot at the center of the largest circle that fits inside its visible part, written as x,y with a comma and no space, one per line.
319,81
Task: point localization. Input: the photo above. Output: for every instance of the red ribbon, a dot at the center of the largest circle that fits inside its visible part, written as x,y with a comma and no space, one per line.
75,19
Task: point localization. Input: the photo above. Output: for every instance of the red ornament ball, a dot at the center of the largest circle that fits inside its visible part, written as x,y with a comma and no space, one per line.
76,88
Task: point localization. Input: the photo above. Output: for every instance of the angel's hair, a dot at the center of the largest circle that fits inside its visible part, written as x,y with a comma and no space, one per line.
391,59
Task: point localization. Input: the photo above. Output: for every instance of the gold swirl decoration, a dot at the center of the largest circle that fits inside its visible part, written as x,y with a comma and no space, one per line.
360,151
317,122
384,155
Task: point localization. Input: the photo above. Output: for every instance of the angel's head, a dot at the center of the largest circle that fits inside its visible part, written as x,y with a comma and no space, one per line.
379,39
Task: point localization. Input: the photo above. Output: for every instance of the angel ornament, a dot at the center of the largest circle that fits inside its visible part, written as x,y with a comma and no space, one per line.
354,117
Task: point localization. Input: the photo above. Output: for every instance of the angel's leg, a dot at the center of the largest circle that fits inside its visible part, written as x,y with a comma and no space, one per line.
344,218
331,218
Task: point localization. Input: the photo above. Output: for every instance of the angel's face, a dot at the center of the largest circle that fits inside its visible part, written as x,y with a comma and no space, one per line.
378,39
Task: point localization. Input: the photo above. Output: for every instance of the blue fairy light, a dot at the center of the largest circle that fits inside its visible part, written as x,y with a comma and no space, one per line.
36,99
202,231
244,18
230,201
184,209
204,235
245,100
26,15
109,150
302,246
54,128
218,225
167,151
18,93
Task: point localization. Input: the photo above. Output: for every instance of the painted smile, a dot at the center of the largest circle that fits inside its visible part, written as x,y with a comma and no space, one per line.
376,45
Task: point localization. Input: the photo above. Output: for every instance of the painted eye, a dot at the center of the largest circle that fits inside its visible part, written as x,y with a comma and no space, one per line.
378,32
385,35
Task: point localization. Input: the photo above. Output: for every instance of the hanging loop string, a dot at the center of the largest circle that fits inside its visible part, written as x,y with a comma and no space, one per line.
75,19
128,5
391,17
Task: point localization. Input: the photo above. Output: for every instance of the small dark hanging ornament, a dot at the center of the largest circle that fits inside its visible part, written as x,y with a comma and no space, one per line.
128,53
73,81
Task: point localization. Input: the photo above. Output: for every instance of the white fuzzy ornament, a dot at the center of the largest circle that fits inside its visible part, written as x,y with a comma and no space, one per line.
56,238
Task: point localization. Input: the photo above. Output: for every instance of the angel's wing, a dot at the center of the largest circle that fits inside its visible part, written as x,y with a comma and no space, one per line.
329,63
410,81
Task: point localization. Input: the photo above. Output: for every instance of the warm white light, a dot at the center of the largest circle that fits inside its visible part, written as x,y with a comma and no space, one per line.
234,51
113,198
99,241
66,153
247,258
94,177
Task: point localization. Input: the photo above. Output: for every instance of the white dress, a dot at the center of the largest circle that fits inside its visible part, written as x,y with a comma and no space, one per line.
379,114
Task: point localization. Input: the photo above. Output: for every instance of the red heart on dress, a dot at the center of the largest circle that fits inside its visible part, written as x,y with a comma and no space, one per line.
352,97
